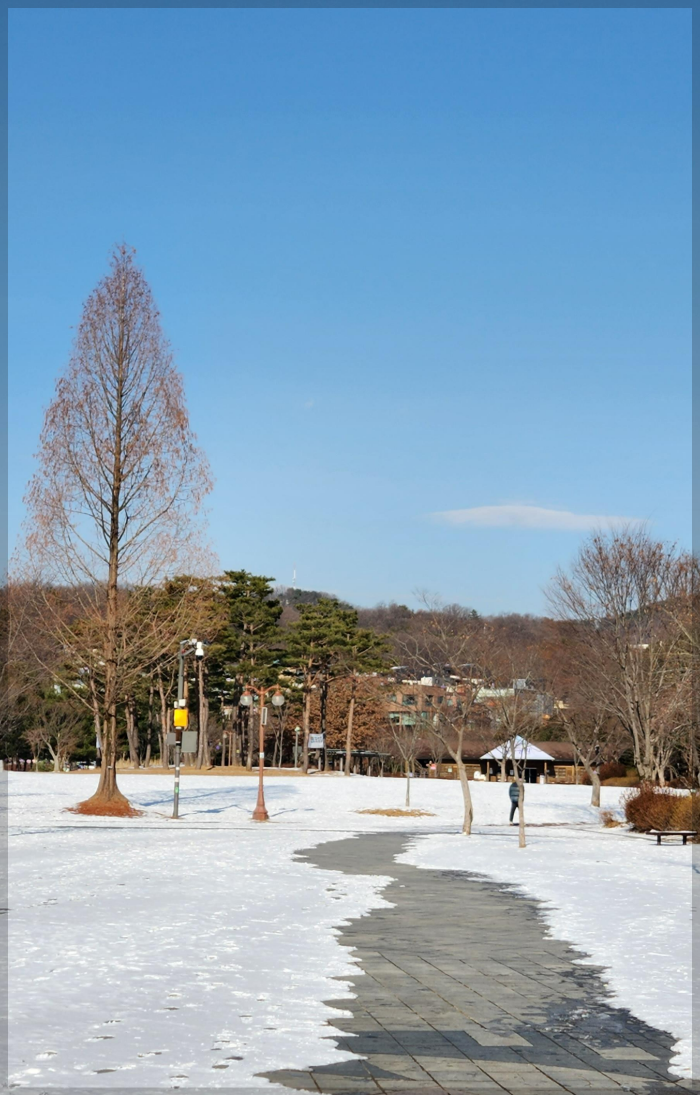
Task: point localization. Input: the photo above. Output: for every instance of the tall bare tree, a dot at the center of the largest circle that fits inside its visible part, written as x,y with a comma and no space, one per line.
621,594
405,737
119,480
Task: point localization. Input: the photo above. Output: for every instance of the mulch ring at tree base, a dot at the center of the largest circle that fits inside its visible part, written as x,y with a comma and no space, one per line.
111,808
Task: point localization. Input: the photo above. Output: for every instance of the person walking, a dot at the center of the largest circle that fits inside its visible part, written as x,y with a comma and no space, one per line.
514,792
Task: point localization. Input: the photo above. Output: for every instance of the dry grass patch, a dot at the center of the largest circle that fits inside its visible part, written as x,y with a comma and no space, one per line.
398,813
609,820
115,808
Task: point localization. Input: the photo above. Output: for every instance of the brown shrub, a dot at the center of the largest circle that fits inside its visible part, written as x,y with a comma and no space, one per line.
623,781
612,770
608,771
686,812
650,807
609,820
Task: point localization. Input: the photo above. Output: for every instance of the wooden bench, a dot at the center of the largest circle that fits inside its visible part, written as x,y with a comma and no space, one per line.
685,833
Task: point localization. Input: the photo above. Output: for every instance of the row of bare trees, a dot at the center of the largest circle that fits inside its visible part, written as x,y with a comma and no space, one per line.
616,661
114,515
620,680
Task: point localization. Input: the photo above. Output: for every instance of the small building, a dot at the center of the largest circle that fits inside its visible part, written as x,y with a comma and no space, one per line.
365,762
534,759
545,761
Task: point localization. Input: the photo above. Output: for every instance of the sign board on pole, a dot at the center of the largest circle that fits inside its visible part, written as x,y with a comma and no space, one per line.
189,741
317,741
180,717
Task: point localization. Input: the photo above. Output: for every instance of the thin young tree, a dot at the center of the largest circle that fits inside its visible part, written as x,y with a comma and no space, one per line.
119,482
405,736
516,718
444,641
512,665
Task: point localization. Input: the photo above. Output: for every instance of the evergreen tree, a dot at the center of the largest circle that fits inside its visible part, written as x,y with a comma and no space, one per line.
315,647
248,647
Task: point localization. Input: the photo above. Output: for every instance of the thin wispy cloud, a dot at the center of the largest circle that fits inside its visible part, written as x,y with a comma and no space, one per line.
530,517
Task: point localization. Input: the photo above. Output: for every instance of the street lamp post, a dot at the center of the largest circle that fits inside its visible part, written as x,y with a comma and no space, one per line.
187,646
246,700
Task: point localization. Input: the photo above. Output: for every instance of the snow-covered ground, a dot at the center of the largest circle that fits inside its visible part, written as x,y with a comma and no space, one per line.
328,802
623,901
149,952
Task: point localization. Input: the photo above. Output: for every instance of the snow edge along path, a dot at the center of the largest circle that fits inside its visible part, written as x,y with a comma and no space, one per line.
200,952
614,897
132,968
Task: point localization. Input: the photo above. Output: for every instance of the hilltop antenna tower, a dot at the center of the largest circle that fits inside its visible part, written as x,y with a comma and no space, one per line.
294,576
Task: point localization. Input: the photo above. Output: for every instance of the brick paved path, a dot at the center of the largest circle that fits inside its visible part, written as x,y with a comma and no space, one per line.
463,993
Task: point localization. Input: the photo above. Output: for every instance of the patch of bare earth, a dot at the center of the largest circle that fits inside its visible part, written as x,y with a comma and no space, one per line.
398,813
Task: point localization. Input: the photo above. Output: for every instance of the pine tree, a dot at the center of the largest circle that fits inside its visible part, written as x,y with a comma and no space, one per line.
315,647
248,647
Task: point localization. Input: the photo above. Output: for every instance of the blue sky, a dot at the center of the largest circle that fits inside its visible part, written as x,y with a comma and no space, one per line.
412,263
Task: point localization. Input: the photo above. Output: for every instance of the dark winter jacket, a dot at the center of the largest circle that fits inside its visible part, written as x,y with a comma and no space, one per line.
514,792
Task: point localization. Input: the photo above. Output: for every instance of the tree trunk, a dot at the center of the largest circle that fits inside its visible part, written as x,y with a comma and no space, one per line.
108,798
164,723
96,715
348,736
592,774
149,725
408,785
693,766
132,732
595,789
521,811
504,761
324,705
306,726
466,796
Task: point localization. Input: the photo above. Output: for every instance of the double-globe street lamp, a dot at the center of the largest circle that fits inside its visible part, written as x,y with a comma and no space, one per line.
246,700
